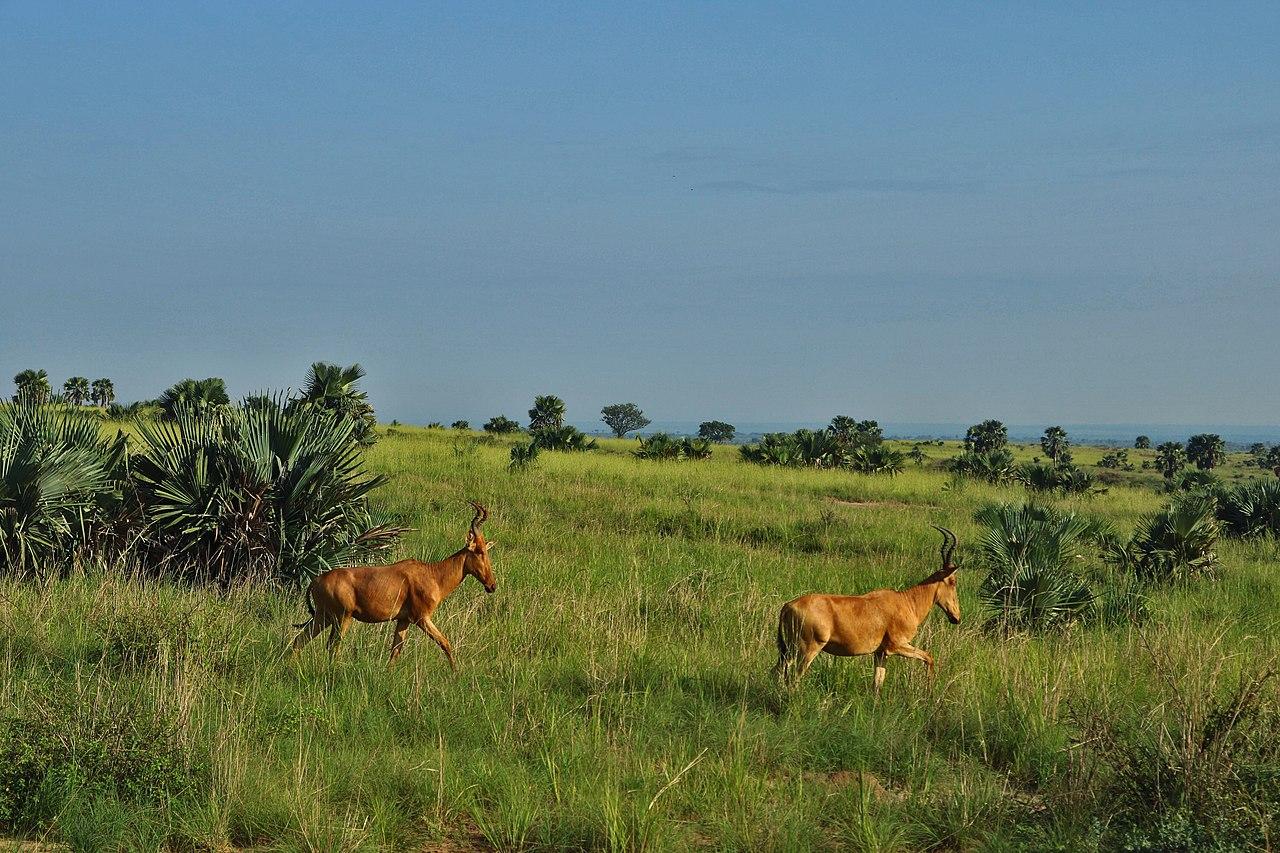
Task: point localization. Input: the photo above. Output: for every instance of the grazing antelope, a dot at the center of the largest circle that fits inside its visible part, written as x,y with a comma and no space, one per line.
879,623
408,592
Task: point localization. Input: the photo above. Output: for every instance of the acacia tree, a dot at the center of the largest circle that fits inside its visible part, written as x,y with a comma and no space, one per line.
1054,443
985,437
623,418
33,386
1142,442
1206,450
76,390
1170,458
103,392
717,431
547,411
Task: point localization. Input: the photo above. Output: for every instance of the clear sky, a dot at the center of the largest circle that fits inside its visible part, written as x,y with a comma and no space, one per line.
1037,212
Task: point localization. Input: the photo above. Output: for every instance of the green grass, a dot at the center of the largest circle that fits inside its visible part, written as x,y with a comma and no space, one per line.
615,691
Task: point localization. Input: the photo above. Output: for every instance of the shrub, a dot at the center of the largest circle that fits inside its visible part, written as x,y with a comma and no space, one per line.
1176,543
59,483
995,466
565,438
460,425
717,431
277,492
501,425
986,437
662,446
1251,509
1029,553
1116,460
846,443
523,456
875,459
1191,480
194,394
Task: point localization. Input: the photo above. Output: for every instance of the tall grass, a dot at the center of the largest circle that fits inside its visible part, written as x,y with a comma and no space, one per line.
614,693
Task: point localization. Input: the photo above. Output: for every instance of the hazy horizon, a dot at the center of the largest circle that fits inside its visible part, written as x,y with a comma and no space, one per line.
917,214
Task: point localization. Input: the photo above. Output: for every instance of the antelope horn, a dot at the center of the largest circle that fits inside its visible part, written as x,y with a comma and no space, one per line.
481,515
948,539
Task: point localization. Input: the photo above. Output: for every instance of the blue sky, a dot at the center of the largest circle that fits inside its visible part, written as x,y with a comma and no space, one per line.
740,211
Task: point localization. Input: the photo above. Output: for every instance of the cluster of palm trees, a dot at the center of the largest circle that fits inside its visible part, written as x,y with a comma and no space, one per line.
34,385
845,443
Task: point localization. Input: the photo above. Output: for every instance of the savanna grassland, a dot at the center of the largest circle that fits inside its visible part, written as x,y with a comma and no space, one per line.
615,692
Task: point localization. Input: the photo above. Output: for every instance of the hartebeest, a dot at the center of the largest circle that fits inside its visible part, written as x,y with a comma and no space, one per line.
408,592
880,623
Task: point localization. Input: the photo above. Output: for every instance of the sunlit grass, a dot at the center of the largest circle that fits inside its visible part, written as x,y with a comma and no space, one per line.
614,692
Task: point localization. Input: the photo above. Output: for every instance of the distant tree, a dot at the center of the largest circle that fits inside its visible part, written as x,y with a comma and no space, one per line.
1206,450
501,424
1170,458
988,436
196,393
623,418
76,390
849,432
32,385
335,388
103,392
1258,449
717,431
547,411
461,424
916,454
1272,459
1142,442
1054,442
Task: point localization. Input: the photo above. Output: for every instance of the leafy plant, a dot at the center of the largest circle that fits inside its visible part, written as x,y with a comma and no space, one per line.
995,466
1251,509
875,459
1206,450
548,411
717,431
333,388
193,394
986,437
1170,458
464,425
501,425
1176,543
1030,552
623,418
566,438
59,482
662,446
278,492
523,456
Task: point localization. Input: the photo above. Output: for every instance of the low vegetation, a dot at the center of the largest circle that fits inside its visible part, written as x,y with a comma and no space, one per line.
1112,685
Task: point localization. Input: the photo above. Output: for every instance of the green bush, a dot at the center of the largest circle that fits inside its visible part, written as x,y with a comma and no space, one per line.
59,483
275,491
523,456
662,446
565,438
1176,543
1030,553
1251,509
992,466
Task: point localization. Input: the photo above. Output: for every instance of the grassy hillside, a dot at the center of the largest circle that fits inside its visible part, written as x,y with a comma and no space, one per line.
615,691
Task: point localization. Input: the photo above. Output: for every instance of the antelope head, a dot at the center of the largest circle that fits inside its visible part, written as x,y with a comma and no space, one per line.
476,563
945,595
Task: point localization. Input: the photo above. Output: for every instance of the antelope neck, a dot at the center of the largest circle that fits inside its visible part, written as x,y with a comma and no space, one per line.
922,596
451,570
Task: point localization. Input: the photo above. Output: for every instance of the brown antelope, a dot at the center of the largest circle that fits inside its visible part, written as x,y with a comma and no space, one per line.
880,623
408,592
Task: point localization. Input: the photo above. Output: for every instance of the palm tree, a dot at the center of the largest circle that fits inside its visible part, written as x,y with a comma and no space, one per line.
335,388
1054,442
1206,450
104,392
76,389
32,385
547,411
1170,458
1142,442
985,437
194,393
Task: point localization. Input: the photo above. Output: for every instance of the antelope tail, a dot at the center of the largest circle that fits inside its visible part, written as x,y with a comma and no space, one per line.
788,637
311,608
